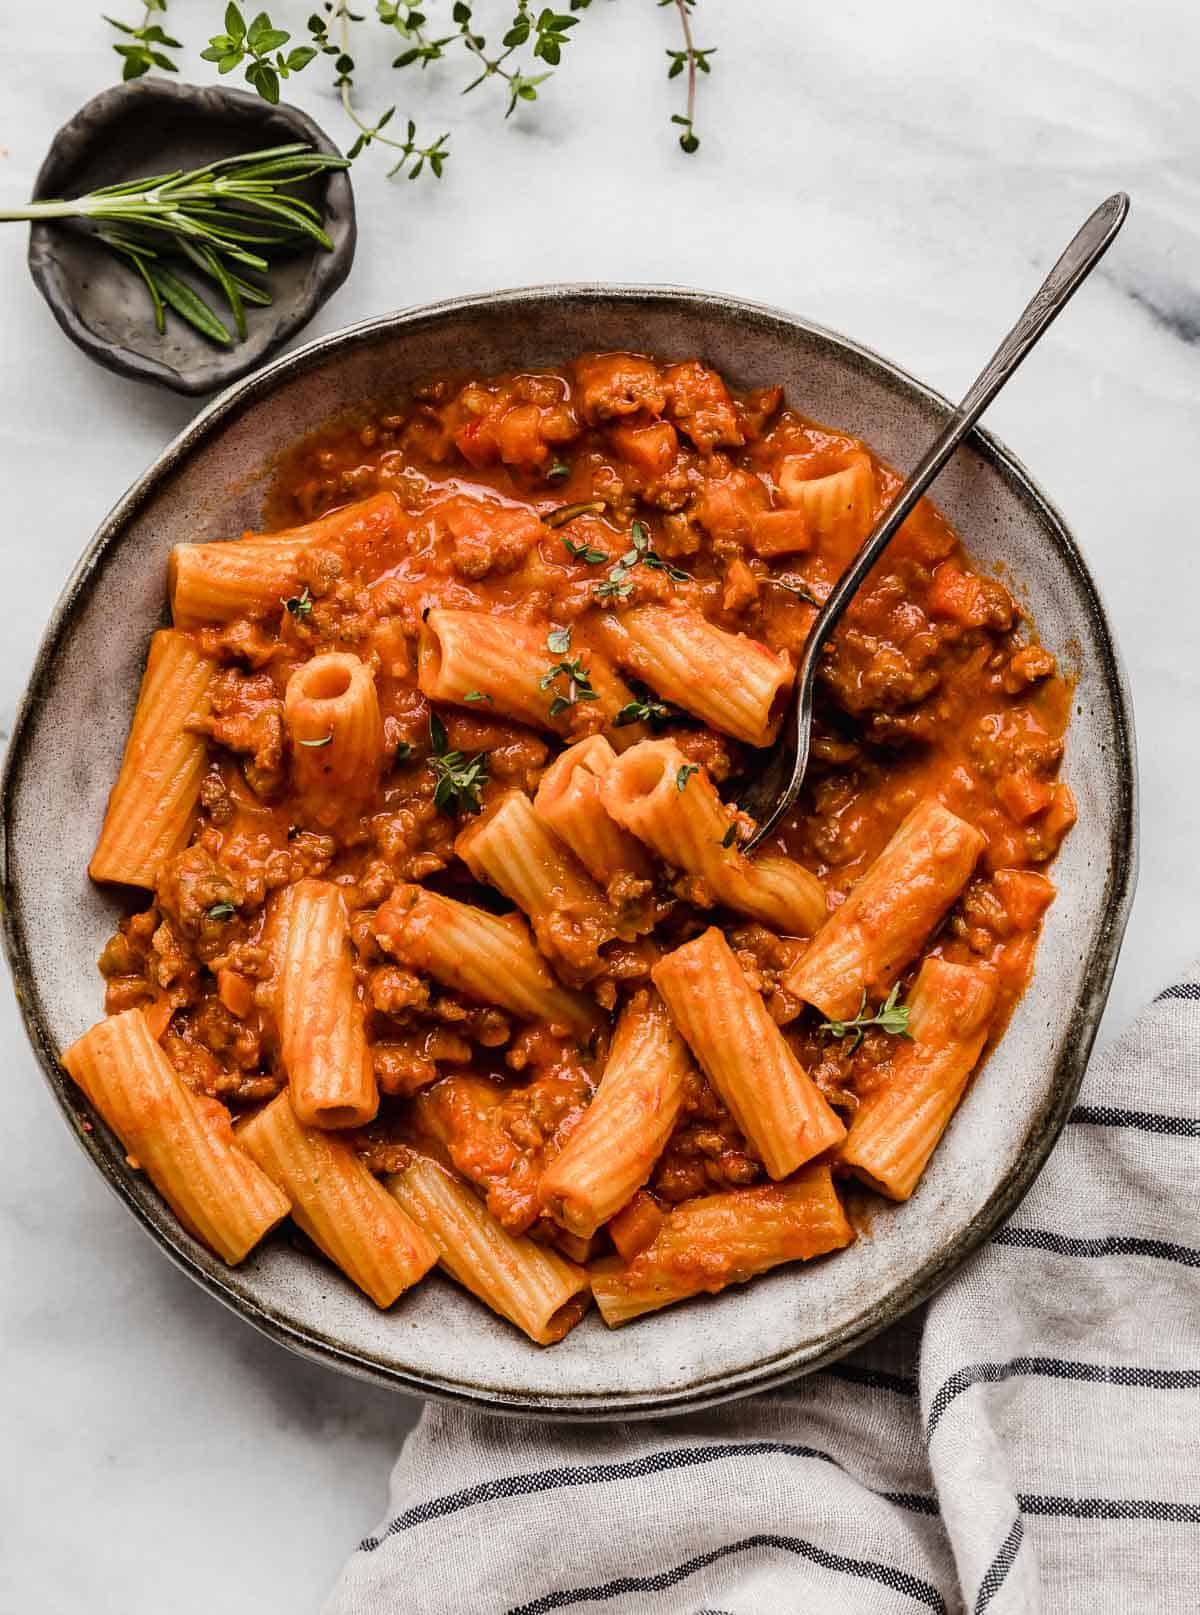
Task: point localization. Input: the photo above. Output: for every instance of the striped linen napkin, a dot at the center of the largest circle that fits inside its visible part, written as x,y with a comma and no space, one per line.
1027,1446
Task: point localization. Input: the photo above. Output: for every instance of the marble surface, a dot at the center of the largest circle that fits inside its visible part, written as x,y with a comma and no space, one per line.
904,174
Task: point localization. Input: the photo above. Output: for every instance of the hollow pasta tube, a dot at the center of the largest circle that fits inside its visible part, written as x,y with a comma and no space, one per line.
345,1211
184,1141
331,710
744,1055
535,1288
151,806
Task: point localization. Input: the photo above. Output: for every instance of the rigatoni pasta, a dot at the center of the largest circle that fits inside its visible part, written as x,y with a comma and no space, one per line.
670,805
532,1286
345,1211
729,680
721,1239
898,1124
152,805
625,1129
511,849
865,944
183,1141
332,713
490,958
434,792
744,1054
322,1032
569,800
469,656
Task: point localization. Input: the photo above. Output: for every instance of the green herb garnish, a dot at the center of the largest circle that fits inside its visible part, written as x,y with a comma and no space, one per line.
404,751
476,695
579,682
891,1017
730,836
617,586
459,778
648,711
220,911
557,471
558,641
300,605
314,744
219,221
587,553
685,774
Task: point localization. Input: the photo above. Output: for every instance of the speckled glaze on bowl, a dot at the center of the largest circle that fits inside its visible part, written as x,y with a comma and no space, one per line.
209,484
154,126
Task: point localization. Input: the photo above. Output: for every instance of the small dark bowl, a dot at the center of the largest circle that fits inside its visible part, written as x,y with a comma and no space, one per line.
152,126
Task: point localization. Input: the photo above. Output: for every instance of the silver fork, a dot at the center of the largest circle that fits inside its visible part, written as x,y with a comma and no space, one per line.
771,793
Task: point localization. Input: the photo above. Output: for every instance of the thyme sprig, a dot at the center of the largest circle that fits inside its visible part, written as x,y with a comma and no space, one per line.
890,1017
579,681
617,586
220,220
459,778
524,58
145,46
691,61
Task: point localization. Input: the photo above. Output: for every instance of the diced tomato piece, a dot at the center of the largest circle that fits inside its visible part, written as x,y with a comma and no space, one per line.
236,992
520,436
652,450
780,532
957,596
158,1016
476,442
1023,795
1025,894
726,509
637,1225
741,587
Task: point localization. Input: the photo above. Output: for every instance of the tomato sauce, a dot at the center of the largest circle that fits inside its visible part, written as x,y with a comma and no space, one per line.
934,684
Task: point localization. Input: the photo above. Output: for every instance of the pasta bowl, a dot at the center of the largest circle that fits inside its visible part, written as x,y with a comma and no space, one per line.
211,483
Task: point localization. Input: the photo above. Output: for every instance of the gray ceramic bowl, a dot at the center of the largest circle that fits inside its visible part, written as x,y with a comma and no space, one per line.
209,484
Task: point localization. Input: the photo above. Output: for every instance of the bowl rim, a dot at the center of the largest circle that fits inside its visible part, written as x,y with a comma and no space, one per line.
1045,1126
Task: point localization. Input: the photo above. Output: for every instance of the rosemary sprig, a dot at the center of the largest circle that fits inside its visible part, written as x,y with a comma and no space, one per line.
219,220
890,1017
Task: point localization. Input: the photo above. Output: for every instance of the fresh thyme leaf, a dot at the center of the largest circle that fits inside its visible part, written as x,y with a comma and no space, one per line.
300,605
685,774
730,836
476,695
458,779
558,470
220,911
567,513
404,751
579,683
891,1017
648,710
314,744
558,641
617,585
587,553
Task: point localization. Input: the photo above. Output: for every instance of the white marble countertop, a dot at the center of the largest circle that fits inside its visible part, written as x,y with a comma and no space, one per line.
904,174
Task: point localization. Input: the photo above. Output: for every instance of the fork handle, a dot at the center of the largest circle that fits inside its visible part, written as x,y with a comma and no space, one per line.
1060,285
